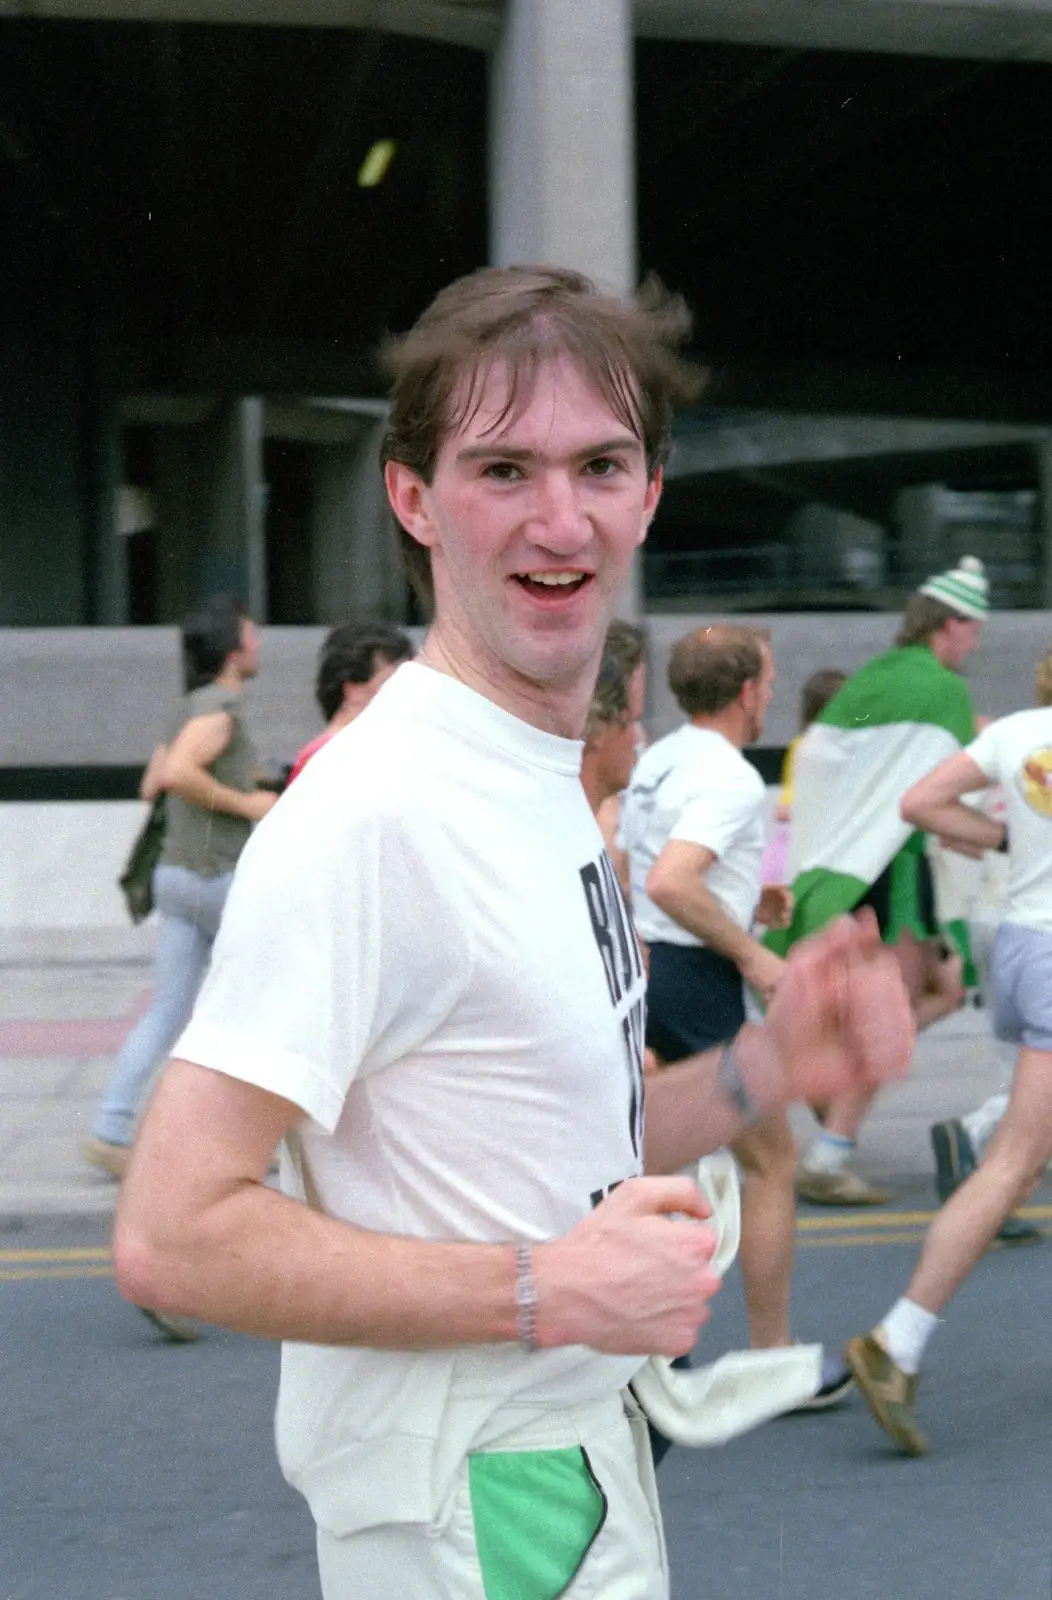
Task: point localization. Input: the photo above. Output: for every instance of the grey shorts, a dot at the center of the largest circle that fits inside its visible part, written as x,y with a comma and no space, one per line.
1021,970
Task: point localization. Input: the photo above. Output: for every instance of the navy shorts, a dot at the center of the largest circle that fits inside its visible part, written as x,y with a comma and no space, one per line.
695,1000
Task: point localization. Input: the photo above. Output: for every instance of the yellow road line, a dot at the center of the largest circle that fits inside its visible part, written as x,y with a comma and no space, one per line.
95,1253
18,1274
841,1241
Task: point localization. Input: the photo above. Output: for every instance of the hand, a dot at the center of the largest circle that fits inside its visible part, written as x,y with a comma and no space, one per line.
775,909
763,972
961,848
840,1020
256,804
634,1277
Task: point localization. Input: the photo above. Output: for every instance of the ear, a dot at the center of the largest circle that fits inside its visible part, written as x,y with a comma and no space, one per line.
655,485
409,499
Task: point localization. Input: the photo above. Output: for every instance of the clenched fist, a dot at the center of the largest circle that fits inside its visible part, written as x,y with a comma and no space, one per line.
634,1277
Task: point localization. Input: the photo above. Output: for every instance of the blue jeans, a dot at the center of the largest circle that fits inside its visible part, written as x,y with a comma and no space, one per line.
190,907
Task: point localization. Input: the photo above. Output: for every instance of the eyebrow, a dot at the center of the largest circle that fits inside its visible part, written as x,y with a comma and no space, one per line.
606,447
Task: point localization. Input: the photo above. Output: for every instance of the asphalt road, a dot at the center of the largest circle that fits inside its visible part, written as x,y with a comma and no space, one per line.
135,1470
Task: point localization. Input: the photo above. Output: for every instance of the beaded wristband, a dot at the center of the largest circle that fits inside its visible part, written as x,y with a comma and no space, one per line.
525,1299
729,1078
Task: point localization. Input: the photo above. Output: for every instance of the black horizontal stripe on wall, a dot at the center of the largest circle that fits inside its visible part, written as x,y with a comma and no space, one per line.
122,783
70,783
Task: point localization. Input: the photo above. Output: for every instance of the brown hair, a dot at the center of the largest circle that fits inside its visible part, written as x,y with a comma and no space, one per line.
923,616
817,692
609,702
627,643
1043,679
708,668
519,318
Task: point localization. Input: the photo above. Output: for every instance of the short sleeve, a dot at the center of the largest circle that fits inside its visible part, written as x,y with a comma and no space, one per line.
339,950
985,751
715,818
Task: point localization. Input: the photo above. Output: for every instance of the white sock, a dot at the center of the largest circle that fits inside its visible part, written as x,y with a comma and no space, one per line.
830,1152
905,1331
979,1125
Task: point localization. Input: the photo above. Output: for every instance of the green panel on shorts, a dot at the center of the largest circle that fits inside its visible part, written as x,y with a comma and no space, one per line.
537,1513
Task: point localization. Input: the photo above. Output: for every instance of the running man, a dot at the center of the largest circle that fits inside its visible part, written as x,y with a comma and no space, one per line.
426,975
356,660
1015,751
887,726
207,764
694,827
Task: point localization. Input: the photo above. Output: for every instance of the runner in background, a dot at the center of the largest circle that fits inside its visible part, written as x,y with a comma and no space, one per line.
693,825
886,726
356,660
816,693
1015,751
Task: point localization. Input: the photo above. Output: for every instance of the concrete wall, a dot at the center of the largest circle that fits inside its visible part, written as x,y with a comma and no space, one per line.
100,696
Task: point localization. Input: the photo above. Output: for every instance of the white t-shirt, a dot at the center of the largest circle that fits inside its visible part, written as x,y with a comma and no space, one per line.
426,949
697,786
1016,752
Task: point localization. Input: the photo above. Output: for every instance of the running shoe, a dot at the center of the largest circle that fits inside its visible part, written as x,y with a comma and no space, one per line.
107,1155
845,1188
954,1156
837,1383
954,1162
890,1393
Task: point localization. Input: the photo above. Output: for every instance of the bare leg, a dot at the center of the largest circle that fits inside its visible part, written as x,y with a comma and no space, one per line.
767,1157
1012,1167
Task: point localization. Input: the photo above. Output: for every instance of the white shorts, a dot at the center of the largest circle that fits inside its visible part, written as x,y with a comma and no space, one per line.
1022,983
564,1505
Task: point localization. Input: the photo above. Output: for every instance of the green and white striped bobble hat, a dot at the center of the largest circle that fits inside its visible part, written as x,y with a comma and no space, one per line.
964,589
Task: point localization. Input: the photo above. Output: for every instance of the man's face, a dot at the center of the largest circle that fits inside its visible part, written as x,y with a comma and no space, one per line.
960,636
356,696
532,524
758,696
617,752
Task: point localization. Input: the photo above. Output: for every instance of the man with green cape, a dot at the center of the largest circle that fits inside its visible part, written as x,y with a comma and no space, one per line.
890,724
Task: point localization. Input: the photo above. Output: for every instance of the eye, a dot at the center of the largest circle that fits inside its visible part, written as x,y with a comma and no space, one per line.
603,467
502,471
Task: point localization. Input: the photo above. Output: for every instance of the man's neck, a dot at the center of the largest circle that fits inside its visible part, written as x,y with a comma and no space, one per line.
230,679
730,723
557,709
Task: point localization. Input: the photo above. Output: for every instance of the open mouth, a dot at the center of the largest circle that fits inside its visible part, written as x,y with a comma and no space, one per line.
552,586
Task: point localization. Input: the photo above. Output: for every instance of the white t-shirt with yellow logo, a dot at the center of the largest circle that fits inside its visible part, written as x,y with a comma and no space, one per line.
1016,752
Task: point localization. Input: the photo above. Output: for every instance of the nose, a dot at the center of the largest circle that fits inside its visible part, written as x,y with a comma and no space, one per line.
558,523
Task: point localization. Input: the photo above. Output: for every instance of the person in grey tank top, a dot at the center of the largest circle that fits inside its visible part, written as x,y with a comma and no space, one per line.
207,766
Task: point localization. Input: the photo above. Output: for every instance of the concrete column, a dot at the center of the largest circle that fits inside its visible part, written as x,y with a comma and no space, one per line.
356,571
562,180
562,165
210,502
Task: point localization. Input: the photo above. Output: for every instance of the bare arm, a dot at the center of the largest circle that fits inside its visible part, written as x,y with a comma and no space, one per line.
198,743
934,804
676,883
839,1022
198,1232
152,779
